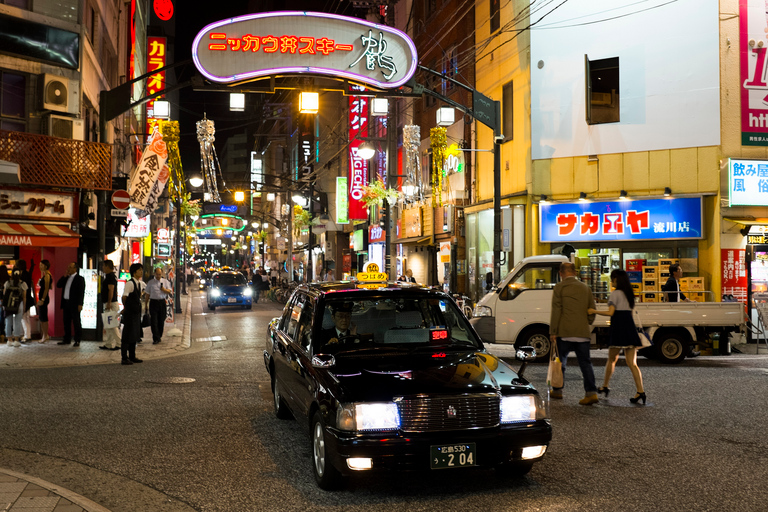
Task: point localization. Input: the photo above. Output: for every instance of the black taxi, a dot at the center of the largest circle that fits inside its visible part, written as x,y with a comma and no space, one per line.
393,377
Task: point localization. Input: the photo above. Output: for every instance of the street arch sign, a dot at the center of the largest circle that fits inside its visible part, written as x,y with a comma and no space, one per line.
287,42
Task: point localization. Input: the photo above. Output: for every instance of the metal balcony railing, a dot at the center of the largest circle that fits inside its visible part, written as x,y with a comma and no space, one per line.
55,162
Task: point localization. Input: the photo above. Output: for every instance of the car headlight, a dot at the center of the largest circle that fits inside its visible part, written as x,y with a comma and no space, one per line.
202,281
368,416
522,408
248,292
482,311
215,293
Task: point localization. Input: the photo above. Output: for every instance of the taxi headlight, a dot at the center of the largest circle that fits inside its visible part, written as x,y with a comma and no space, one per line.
215,293
482,311
368,416
522,408
202,281
247,292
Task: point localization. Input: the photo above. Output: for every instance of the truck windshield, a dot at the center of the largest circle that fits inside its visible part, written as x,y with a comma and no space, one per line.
530,278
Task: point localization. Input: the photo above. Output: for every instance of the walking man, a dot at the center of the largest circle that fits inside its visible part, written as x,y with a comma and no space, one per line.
158,289
109,299
72,303
671,288
569,327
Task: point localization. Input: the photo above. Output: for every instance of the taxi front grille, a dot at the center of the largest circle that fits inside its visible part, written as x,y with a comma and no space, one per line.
453,412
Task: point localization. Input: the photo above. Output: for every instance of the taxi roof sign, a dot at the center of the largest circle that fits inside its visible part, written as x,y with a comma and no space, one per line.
372,273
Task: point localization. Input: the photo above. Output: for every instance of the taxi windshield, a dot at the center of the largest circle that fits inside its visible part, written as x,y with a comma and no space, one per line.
228,279
408,322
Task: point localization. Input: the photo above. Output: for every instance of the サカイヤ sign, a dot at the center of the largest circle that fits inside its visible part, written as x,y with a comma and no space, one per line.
264,44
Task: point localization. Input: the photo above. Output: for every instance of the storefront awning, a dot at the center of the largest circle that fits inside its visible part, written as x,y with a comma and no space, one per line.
37,235
416,240
748,221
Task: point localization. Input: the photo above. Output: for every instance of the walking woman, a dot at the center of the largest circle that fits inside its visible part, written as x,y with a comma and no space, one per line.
14,298
43,298
623,333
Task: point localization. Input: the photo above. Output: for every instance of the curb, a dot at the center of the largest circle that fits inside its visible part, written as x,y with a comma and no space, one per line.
71,496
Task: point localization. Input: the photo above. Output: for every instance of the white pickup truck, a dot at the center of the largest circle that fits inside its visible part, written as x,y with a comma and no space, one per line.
517,312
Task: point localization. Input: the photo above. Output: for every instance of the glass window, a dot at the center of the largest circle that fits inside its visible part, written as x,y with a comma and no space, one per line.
530,278
602,90
506,105
450,68
304,332
229,279
14,92
495,16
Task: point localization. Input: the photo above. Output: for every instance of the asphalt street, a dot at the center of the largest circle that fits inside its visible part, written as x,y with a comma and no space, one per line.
196,432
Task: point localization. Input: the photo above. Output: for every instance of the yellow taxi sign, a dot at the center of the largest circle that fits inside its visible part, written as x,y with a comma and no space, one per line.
372,276
371,266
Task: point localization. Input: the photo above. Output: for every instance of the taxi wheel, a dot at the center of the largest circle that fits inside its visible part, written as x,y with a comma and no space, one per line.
514,469
326,476
281,411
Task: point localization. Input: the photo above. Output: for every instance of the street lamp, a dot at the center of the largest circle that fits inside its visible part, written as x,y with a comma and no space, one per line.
239,196
366,150
409,189
300,200
445,116
309,102
196,180
162,109
236,102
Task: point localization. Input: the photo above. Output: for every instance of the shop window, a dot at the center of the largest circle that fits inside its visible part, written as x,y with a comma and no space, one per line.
530,278
495,16
602,88
450,69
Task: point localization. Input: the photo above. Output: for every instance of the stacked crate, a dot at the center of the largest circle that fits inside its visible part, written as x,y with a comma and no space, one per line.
650,284
636,280
664,265
693,288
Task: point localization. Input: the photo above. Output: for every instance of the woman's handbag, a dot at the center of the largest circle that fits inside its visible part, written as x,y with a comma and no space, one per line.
645,340
146,320
555,370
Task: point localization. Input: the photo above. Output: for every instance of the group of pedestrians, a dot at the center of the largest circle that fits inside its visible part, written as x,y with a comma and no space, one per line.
574,310
18,299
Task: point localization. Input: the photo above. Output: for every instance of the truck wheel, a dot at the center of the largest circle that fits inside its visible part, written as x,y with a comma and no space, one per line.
538,338
672,347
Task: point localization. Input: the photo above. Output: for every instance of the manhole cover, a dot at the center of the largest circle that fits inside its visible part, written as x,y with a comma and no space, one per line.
173,380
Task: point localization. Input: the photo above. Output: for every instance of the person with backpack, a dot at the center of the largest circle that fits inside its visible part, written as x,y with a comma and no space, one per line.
14,295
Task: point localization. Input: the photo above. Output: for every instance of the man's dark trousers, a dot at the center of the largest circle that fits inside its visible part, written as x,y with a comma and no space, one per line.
157,313
71,317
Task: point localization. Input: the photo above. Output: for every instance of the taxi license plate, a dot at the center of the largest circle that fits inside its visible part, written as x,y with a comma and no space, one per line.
448,456
231,299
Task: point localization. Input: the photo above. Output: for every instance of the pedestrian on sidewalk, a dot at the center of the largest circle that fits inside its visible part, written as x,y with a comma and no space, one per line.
623,333
43,298
109,300
569,327
132,295
4,277
72,299
158,290
26,277
14,297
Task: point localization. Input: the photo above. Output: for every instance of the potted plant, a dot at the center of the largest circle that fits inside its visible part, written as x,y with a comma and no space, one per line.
376,193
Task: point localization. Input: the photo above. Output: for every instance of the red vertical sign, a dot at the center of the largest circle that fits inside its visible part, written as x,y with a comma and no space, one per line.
156,59
135,252
358,169
734,273
754,64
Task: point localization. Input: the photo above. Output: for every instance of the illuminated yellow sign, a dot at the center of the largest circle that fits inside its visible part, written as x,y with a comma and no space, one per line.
372,276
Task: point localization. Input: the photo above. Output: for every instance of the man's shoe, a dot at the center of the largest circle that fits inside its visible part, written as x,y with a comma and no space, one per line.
62,342
136,360
76,344
556,393
589,399
103,347
126,361
156,342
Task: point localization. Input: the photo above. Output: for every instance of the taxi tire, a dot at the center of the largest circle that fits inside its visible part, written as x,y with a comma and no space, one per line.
514,469
281,410
327,477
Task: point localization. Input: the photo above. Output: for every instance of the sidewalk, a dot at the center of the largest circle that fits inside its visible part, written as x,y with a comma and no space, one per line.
176,340
23,493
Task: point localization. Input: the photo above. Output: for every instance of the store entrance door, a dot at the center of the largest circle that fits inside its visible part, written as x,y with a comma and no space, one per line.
757,289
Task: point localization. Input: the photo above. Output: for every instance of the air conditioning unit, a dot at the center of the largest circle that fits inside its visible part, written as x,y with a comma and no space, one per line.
65,127
602,98
59,94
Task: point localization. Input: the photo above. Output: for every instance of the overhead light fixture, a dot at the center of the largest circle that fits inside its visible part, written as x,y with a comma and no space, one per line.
255,224
366,150
236,102
446,116
667,191
379,107
309,102
195,180
270,196
239,196
225,221
265,225
623,194
543,198
300,200
582,196
409,189
162,109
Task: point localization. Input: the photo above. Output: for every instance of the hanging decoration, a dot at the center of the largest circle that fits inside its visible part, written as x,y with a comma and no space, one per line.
176,186
437,141
411,143
260,236
301,219
151,169
375,194
209,162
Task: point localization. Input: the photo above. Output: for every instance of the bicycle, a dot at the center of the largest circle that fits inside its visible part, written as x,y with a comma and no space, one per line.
465,304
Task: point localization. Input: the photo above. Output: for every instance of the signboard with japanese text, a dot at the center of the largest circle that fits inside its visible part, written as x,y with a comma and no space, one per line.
289,42
137,227
88,314
376,235
754,82
156,59
358,166
747,182
342,201
37,205
612,221
412,222
146,174
734,278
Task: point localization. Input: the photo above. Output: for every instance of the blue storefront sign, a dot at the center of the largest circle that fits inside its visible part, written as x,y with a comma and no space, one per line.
612,221
747,182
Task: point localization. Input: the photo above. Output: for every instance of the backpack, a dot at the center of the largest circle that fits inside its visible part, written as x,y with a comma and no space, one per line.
12,299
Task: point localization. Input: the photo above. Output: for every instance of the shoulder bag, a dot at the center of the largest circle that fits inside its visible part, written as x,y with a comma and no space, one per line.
645,340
